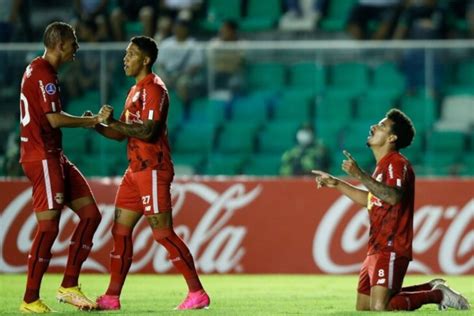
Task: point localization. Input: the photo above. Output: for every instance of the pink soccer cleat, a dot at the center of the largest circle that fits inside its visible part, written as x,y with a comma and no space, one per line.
108,302
195,300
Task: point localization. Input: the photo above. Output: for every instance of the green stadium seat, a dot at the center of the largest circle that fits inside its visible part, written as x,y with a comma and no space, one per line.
293,105
421,110
89,101
237,137
308,75
374,105
261,15
222,164
219,11
192,162
175,112
194,138
355,135
265,76
468,164
250,108
133,28
415,151
387,78
335,109
442,164
465,73
463,83
262,165
278,137
338,11
207,111
330,134
351,79
443,141
106,146
76,140
94,166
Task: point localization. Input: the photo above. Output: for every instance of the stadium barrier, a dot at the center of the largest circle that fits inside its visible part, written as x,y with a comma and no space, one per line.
256,225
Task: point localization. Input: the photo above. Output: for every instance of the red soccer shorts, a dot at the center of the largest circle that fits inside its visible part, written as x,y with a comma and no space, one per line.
147,192
384,269
56,181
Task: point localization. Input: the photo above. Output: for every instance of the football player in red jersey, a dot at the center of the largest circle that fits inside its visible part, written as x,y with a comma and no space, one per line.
56,181
145,187
389,198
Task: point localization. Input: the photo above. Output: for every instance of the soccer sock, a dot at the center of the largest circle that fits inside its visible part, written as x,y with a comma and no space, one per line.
81,243
417,288
38,259
120,258
410,301
180,256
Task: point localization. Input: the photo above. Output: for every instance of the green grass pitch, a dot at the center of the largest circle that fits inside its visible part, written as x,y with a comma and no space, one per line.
230,294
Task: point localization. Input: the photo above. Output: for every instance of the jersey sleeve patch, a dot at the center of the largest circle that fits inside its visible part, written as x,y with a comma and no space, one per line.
50,88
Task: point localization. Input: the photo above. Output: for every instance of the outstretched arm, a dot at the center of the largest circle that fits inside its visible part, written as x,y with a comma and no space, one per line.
105,130
357,195
63,119
389,194
147,131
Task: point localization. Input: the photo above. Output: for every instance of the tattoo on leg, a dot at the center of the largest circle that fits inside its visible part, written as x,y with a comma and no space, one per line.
117,213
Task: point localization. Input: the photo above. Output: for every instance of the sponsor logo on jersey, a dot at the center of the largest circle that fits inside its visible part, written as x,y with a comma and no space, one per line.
50,88
381,281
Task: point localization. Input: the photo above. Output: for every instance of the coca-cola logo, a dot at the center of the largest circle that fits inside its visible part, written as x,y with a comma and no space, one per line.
219,245
455,241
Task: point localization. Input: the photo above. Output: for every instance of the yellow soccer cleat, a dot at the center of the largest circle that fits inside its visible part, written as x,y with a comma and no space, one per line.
74,296
36,307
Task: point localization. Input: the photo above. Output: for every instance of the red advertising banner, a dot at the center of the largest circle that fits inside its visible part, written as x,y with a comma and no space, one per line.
244,225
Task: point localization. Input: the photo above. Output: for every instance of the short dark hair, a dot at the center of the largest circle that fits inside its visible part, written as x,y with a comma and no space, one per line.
148,46
57,32
402,127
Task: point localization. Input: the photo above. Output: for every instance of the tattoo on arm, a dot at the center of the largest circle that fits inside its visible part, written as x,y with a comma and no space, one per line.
391,195
146,131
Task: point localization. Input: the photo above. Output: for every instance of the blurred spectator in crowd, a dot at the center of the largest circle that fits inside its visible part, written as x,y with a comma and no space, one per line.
462,17
12,167
9,13
422,19
227,64
180,9
90,20
181,64
302,15
131,11
164,28
172,10
309,153
373,19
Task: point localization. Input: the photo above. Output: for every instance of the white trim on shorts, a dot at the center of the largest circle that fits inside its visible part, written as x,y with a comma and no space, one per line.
390,270
47,183
154,191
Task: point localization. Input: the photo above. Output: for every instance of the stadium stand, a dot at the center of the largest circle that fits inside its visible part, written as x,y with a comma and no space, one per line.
340,91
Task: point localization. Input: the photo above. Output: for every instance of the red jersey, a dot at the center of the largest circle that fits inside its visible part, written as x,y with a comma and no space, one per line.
148,100
39,96
391,226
